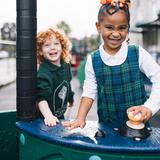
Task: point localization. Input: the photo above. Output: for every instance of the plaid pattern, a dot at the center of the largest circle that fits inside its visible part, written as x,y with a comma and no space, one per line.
119,87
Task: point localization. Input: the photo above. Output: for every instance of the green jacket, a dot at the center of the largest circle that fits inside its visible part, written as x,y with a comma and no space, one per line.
53,85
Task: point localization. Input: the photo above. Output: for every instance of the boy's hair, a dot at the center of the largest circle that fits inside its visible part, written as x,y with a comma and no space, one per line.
111,9
43,36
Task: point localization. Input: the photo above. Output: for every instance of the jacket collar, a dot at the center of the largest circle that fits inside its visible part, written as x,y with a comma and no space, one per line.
51,66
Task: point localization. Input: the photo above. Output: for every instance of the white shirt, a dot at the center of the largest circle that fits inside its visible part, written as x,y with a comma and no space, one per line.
147,65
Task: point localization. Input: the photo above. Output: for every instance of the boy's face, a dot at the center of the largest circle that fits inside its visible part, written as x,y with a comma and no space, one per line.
52,50
113,29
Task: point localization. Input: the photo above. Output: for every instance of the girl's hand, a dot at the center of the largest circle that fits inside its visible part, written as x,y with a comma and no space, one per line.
146,113
74,124
51,121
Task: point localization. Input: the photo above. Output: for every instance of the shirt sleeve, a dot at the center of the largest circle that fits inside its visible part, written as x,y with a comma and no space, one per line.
152,70
44,90
90,83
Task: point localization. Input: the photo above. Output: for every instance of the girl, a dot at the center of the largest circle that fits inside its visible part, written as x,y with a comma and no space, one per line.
54,75
115,71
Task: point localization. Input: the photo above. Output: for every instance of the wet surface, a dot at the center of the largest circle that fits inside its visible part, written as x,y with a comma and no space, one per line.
85,138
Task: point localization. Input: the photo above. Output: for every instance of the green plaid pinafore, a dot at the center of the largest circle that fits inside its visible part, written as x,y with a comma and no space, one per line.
119,87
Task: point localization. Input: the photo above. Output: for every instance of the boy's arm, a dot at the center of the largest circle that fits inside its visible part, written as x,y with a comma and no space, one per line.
49,118
83,110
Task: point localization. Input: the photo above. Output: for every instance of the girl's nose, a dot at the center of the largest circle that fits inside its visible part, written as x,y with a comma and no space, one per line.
115,34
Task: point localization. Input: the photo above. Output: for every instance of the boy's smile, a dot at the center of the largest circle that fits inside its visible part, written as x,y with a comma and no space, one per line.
52,50
53,54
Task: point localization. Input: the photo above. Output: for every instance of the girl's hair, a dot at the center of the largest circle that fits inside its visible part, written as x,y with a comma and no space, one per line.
109,8
43,36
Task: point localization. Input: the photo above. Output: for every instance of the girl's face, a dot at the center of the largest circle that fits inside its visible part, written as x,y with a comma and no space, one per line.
113,29
52,50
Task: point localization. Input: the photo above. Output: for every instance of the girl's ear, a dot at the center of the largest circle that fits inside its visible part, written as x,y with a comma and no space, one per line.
98,27
127,38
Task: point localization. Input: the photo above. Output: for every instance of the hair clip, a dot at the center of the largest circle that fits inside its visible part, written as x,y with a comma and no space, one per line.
117,3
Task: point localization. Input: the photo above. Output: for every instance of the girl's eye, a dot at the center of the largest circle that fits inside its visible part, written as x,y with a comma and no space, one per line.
123,28
109,27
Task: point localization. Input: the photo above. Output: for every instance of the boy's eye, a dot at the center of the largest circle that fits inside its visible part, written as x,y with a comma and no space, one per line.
46,44
56,43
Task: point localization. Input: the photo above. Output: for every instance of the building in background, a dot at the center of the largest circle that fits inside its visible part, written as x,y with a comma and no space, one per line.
145,26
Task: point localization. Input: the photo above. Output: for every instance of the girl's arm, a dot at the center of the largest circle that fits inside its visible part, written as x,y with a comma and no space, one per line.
49,118
88,96
152,70
85,106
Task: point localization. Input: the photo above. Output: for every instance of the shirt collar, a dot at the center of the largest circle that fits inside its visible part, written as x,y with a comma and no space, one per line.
120,56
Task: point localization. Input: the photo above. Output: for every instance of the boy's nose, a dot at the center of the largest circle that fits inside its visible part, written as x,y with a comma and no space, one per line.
53,46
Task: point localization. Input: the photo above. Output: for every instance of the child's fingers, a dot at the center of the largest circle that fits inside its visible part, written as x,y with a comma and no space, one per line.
51,122
147,115
71,125
134,110
66,124
45,122
145,112
82,125
56,119
74,125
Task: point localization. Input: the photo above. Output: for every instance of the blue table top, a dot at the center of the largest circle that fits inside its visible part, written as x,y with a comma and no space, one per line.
85,138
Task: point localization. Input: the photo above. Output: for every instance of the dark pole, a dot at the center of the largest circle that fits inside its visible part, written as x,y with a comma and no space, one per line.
26,58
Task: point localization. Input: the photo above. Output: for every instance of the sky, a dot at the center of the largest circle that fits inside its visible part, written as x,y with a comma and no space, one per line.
80,15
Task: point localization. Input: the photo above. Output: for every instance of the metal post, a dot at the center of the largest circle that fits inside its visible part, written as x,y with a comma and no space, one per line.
26,59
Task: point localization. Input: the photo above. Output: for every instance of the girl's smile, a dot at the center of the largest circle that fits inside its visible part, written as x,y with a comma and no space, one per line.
114,41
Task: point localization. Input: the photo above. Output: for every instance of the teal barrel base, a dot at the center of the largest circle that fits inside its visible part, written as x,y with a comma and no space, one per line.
8,135
37,141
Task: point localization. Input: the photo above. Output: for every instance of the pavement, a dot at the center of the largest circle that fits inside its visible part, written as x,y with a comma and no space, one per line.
7,71
72,112
8,96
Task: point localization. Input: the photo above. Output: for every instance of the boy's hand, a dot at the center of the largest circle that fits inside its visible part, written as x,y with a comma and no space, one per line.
74,124
146,113
51,121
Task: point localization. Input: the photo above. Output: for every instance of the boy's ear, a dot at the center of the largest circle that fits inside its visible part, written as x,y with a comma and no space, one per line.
41,53
98,27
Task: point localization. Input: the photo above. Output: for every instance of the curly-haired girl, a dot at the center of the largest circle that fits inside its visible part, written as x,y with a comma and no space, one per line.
53,78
